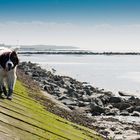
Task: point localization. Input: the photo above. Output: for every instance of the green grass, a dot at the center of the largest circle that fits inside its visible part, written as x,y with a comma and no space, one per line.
25,118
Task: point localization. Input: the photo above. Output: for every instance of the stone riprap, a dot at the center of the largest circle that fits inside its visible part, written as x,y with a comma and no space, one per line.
81,96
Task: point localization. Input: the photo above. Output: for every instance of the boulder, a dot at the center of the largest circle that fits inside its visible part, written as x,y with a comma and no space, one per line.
35,74
130,109
70,90
69,102
57,78
83,110
137,109
124,105
62,97
112,112
96,110
83,104
85,98
135,114
123,94
124,113
48,88
115,99
88,92
57,93
105,99
108,93
97,101
73,94
28,73
121,105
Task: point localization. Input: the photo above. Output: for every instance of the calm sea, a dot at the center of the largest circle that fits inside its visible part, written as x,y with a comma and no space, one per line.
114,73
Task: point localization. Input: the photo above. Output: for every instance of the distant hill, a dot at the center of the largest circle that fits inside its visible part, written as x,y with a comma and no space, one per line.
46,47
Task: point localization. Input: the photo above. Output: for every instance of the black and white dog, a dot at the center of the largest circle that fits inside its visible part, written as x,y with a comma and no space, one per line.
8,63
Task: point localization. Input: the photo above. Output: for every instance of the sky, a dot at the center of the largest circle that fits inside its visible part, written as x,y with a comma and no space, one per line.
100,25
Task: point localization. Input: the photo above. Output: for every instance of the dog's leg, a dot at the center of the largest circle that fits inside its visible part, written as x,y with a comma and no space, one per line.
2,87
11,80
1,91
4,90
1,81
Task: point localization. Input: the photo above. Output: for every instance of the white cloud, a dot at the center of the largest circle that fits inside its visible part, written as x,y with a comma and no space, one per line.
99,37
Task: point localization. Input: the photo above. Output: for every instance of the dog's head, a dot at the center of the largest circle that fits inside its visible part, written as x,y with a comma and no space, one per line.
8,60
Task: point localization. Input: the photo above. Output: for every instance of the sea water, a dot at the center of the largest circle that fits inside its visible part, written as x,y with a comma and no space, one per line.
110,72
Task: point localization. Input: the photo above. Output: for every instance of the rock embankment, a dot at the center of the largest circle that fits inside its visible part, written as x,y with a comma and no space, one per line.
98,105
81,96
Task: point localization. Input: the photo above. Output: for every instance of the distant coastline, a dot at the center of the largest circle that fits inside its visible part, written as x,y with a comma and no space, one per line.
66,50
77,52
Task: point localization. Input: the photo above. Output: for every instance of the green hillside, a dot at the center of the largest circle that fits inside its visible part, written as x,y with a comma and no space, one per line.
24,118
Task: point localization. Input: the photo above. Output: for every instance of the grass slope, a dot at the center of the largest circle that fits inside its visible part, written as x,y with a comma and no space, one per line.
24,118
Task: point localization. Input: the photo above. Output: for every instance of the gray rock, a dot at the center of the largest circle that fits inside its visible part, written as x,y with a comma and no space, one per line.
81,104
73,94
115,100
88,92
62,97
118,132
35,74
110,106
124,105
123,94
104,132
57,78
52,85
121,105
137,109
113,128
60,83
108,93
85,98
69,102
28,73
57,93
132,98
48,74
98,102
130,109
124,113
83,110
96,110
80,91
112,112
136,114
70,90
48,88
71,107
105,99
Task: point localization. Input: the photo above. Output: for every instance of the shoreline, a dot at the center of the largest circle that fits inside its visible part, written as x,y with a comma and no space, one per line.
89,101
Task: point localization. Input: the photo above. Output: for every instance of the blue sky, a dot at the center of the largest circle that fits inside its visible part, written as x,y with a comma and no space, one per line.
83,11
90,24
